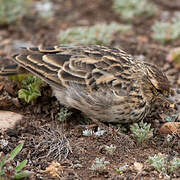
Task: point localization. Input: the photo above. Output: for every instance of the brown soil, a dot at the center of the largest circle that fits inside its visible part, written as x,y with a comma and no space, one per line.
46,139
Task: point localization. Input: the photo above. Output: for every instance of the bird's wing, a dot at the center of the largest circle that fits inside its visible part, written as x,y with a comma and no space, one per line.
92,67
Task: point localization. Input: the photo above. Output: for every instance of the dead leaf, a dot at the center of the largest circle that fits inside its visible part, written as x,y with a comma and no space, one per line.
138,166
54,169
142,39
170,128
9,87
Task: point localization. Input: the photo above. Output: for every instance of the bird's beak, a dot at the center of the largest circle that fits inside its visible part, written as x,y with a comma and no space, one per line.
170,102
166,104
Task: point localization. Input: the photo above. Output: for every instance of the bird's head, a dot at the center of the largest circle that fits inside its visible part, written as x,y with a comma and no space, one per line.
159,81
156,87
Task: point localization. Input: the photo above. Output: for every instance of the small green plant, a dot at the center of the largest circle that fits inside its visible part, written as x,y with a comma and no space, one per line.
6,167
99,164
166,31
122,169
142,131
64,114
110,149
174,164
128,9
158,162
101,34
12,10
45,9
89,132
99,132
161,164
31,86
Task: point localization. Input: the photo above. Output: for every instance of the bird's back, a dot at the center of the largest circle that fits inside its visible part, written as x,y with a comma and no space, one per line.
104,83
100,81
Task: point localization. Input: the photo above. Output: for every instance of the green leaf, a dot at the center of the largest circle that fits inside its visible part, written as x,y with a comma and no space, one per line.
31,88
22,174
29,95
32,80
2,163
15,151
21,165
17,77
23,94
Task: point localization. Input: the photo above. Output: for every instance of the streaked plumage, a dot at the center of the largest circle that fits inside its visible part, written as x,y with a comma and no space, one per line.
105,83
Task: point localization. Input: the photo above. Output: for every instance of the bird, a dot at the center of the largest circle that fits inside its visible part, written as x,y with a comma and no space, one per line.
105,83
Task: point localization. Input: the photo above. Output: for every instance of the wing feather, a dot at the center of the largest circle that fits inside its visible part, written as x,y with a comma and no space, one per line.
91,67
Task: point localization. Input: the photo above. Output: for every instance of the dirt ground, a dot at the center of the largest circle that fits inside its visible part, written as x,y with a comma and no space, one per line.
46,139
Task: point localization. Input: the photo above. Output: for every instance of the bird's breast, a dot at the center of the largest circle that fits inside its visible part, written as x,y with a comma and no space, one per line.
103,106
